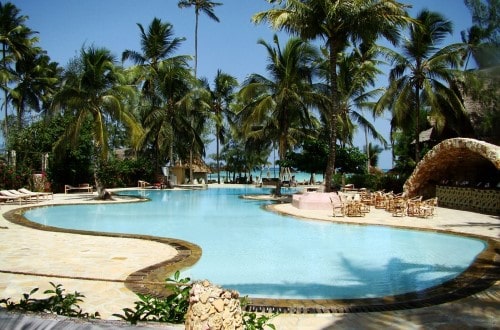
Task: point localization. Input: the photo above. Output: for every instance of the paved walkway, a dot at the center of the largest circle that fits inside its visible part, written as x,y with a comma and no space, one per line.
98,266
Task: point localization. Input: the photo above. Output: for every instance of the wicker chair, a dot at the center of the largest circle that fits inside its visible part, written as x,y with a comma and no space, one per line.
338,208
413,206
399,208
427,207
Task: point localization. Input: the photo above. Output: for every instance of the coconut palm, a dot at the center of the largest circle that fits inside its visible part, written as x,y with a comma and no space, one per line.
419,76
36,81
205,6
483,38
221,97
337,22
168,124
357,73
157,44
93,90
373,152
472,38
16,40
277,108
162,78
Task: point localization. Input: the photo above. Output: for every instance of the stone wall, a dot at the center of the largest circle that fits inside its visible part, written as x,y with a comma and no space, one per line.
469,199
211,307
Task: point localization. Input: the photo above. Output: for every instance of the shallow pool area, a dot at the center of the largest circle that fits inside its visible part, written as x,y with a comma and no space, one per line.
263,254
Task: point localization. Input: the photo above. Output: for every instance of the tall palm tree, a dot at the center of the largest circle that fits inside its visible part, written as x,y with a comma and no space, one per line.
36,81
94,90
167,123
483,38
337,22
221,97
16,40
373,152
357,73
472,38
157,44
420,73
157,66
277,108
205,6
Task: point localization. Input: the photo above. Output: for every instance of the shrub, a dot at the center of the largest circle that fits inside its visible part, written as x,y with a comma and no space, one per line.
126,172
13,178
171,309
58,302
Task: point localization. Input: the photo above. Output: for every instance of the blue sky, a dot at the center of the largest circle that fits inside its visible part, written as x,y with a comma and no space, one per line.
65,26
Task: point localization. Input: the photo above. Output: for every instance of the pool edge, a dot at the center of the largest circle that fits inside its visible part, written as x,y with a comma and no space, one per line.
482,274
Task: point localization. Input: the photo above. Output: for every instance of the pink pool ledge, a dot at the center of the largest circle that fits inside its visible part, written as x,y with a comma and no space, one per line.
315,200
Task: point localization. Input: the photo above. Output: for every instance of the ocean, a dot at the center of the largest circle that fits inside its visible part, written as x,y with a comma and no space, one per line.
270,173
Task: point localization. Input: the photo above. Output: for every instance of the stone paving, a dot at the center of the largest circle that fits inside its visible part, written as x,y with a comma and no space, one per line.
97,266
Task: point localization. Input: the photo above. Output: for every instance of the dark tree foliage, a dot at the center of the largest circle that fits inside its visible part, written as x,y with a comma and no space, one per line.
313,157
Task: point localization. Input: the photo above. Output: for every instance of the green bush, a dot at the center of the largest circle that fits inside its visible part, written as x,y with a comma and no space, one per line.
126,172
252,321
171,309
58,302
374,182
14,178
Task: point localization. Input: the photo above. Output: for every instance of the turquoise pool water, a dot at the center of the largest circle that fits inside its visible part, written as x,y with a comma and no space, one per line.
263,254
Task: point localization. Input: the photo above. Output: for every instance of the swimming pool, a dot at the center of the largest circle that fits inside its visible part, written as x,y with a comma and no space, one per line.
263,254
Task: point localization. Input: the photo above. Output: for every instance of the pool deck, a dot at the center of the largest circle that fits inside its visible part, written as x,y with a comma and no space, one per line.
98,267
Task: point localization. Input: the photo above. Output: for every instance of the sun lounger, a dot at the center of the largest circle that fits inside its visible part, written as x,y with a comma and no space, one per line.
143,184
83,187
27,197
10,199
39,194
6,196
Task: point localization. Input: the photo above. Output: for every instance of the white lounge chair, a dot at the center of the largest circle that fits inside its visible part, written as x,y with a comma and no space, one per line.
83,186
6,196
27,197
40,194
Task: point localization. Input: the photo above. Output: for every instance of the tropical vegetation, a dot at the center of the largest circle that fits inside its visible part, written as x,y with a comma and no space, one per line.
318,91
69,123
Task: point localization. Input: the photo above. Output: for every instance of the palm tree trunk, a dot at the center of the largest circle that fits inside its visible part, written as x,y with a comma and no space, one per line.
196,45
367,151
217,153
332,120
102,193
195,75
417,125
4,51
191,165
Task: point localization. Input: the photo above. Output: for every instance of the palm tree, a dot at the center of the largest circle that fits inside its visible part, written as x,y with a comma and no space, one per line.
276,107
357,72
156,66
472,38
221,97
483,38
168,123
337,22
93,90
419,76
157,44
16,40
36,81
373,152
207,7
